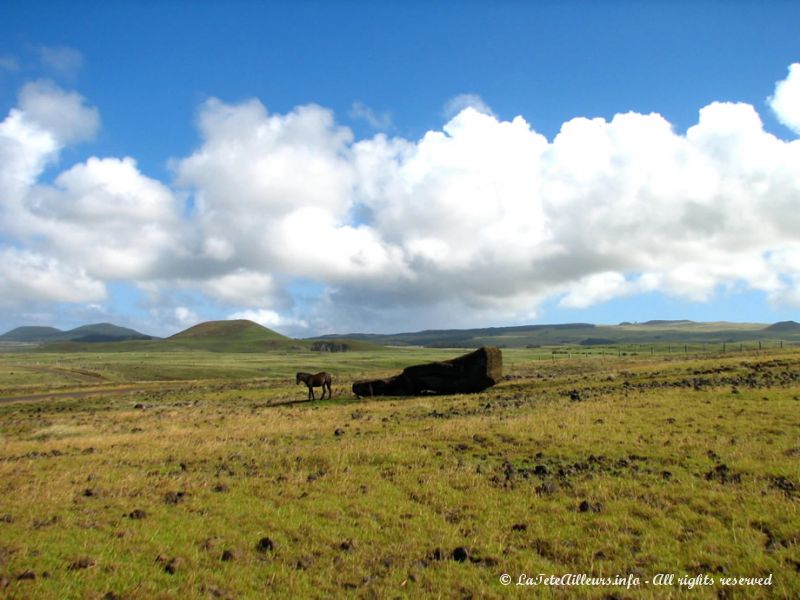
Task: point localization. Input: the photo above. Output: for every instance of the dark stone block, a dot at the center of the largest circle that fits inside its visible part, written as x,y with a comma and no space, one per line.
473,372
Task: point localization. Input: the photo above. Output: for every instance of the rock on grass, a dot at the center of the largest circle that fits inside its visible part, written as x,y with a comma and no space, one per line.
171,565
435,554
227,555
723,474
587,506
460,554
82,563
174,497
265,544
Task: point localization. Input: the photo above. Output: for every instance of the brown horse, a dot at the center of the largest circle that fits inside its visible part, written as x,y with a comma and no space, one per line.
322,380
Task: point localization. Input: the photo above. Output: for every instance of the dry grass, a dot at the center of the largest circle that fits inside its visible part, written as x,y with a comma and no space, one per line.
683,466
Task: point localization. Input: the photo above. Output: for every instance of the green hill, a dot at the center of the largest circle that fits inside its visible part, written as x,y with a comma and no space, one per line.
228,329
31,333
104,332
230,336
97,332
784,327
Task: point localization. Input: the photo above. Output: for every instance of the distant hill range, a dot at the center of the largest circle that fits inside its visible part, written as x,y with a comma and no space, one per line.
99,332
456,338
247,336
212,336
585,334
661,322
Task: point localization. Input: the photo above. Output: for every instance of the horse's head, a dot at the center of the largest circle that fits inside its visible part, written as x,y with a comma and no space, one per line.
299,378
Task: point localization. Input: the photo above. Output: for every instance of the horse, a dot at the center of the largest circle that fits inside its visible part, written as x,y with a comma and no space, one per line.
322,380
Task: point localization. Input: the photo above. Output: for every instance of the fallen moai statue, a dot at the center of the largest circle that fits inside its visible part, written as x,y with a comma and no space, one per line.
471,372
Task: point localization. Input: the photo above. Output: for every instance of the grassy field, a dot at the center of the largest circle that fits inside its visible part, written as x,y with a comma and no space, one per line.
206,475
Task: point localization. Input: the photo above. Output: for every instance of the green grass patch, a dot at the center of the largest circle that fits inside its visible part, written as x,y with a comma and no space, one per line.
610,466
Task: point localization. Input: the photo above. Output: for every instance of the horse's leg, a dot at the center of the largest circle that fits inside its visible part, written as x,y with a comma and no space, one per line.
311,389
330,394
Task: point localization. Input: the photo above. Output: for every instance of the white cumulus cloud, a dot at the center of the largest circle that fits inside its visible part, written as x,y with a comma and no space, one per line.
274,194
785,102
480,221
270,318
185,316
26,276
64,114
98,221
242,288
107,217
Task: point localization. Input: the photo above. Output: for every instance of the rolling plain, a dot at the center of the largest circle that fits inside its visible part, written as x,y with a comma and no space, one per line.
195,474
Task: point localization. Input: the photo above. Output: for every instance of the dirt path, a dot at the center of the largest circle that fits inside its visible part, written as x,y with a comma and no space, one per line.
55,395
78,374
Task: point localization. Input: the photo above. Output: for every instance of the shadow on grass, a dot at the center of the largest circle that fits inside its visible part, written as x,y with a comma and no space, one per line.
339,400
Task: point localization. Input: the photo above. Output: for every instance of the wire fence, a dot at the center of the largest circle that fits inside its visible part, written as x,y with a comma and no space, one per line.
675,349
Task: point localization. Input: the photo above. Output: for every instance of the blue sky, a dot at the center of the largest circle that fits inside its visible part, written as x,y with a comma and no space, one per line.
428,204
